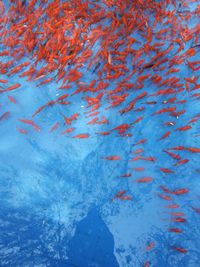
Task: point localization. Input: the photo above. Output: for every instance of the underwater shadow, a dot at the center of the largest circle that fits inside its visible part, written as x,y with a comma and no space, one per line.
92,244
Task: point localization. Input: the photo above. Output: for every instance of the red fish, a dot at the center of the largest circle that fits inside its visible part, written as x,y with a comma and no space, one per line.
181,191
166,170
179,249
147,264
193,149
149,159
175,230
126,175
54,127
173,155
172,206
165,135
184,128
177,148
112,158
150,246
165,197
126,198
82,136
12,99
103,133
178,219
164,110
180,162
45,81
170,123
68,130
144,180
22,131
13,87
140,142
30,122
5,116
137,120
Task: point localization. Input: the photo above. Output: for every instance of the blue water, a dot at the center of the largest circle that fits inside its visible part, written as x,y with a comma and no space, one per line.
56,192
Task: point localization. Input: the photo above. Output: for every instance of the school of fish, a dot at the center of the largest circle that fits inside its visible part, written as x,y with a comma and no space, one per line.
125,45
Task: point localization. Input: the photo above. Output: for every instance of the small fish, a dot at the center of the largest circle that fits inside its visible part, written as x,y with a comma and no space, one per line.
173,155
193,149
126,175
144,180
147,264
22,131
13,87
54,127
112,158
178,219
125,198
12,100
165,135
175,230
30,122
180,162
142,141
184,128
5,115
68,130
181,191
165,197
45,82
103,133
150,246
119,194
149,159
164,110
170,123
179,249
165,170
82,136
172,206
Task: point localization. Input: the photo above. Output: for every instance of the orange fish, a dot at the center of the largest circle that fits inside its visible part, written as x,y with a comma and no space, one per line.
112,158
172,206
126,175
5,116
144,180
180,191
13,87
165,135
179,249
150,246
12,99
178,219
175,230
193,149
166,170
30,122
68,130
165,197
22,131
164,110
184,128
180,162
82,136
54,127
173,155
